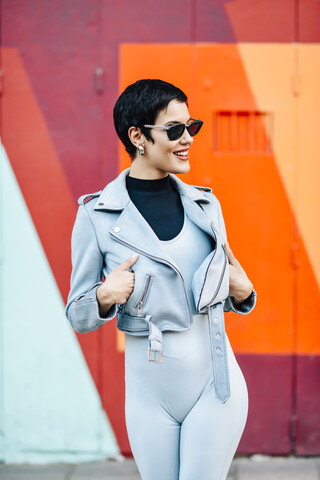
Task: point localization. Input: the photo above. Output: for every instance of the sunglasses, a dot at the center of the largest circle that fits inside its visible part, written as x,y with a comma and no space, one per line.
176,131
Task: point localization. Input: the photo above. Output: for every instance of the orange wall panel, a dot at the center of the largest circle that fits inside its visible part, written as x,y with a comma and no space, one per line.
260,221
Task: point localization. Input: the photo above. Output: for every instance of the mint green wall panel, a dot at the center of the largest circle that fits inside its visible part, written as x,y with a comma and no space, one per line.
50,408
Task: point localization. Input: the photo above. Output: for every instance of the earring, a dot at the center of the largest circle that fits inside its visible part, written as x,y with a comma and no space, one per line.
141,150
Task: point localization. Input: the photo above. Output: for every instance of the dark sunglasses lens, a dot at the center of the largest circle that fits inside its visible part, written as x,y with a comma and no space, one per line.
194,128
175,131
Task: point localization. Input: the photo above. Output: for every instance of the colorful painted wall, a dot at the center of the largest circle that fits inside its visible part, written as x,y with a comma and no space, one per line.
250,68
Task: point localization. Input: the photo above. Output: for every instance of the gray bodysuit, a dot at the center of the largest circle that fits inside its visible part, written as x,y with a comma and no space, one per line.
178,429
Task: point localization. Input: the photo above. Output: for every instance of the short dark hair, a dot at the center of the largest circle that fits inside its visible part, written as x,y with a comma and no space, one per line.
139,104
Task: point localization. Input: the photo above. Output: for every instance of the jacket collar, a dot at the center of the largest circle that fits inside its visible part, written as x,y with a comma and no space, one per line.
115,195
130,227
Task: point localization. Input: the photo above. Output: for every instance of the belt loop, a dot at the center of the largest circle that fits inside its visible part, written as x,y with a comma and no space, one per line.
219,352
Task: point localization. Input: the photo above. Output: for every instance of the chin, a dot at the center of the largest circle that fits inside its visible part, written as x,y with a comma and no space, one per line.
182,168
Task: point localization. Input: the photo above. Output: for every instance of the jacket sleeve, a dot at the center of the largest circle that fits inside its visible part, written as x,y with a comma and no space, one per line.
82,308
249,303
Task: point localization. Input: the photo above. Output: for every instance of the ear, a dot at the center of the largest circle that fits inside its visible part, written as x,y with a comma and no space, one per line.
136,136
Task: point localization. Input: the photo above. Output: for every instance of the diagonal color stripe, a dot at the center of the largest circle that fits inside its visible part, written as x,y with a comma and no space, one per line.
287,81
37,168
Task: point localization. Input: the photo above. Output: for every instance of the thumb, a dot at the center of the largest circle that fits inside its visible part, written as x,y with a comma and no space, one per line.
129,262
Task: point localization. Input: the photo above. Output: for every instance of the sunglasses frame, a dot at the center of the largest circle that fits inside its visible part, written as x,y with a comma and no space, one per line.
169,127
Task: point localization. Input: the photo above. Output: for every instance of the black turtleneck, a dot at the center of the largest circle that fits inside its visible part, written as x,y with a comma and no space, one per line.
159,203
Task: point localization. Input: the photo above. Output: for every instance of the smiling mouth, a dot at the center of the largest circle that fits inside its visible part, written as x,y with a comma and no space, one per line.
182,153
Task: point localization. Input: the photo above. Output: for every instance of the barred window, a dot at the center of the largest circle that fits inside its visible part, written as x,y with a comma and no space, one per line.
243,132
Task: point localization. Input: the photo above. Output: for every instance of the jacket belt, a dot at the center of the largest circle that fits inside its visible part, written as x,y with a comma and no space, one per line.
154,342
219,352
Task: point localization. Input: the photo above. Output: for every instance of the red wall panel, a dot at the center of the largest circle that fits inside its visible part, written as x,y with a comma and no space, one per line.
68,123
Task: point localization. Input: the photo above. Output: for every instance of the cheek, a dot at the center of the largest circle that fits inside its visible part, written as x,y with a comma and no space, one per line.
165,148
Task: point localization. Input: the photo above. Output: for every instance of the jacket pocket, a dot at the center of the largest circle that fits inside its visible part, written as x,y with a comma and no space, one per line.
143,295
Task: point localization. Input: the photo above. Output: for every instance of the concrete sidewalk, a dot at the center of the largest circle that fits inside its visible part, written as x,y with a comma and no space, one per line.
257,467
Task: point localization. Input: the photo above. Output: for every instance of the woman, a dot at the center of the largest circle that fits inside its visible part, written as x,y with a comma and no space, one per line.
169,275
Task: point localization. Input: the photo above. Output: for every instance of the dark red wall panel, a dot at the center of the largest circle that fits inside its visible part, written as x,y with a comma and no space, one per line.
147,21
309,21
262,21
270,396
308,405
282,386
61,44
212,22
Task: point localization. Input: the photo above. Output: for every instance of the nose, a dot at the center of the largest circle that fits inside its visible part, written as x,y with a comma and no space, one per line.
186,138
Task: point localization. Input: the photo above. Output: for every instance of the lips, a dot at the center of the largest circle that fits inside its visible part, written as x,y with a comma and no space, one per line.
182,154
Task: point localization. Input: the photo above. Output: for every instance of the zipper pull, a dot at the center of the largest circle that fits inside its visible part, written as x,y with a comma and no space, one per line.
139,309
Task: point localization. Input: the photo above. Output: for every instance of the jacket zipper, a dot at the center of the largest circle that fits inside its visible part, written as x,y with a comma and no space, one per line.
165,262
219,284
143,296
221,276
224,267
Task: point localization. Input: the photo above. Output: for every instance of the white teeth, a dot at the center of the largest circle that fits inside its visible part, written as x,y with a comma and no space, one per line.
183,154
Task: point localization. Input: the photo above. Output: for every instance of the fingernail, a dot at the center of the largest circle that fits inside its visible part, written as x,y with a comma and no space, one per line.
134,255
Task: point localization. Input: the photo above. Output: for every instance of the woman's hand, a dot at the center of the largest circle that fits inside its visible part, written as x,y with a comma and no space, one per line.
240,286
117,287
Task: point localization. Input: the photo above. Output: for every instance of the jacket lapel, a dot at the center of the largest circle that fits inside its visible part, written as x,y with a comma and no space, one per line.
130,227
133,230
192,198
197,215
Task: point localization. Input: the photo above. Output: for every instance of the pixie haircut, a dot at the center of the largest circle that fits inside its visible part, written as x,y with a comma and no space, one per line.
140,104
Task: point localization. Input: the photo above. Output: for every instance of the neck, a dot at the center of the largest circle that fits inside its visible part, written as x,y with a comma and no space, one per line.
140,168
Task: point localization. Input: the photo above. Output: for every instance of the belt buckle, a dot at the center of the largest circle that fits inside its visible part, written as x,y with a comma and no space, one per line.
154,359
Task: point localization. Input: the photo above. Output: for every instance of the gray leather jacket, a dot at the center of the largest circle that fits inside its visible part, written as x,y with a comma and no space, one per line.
109,229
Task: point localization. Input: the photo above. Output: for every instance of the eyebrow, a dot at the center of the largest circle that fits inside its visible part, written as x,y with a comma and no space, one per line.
174,122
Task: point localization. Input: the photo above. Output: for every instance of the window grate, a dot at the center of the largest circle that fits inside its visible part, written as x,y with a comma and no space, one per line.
243,132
